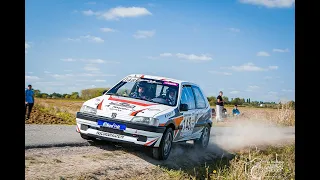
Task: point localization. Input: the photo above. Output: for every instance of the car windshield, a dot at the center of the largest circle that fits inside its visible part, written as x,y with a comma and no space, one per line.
158,91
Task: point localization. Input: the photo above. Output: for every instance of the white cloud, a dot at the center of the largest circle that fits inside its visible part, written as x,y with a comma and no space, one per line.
253,87
93,38
268,77
234,92
90,67
26,46
287,90
250,67
97,61
281,50
270,3
246,67
165,54
74,39
47,72
125,12
119,12
90,13
273,67
272,93
62,76
107,30
31,78
68,60
144,34
263,53
234,30
190,57
193,57
220,73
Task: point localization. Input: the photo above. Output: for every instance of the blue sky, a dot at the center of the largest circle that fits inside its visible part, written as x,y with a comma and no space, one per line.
243,47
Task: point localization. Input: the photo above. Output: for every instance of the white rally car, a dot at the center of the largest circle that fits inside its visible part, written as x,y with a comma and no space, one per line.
150,111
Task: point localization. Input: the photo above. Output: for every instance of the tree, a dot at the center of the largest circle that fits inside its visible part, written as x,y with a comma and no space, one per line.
74,95
212,100
225,99
44,95
37,93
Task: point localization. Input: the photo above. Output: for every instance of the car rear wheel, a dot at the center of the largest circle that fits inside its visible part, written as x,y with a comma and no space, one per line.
163,151
203,142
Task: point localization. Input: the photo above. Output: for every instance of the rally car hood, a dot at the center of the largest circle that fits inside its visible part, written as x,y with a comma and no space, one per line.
123,108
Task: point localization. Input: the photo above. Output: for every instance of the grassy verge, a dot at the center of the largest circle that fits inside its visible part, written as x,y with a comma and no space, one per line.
68,118
252,163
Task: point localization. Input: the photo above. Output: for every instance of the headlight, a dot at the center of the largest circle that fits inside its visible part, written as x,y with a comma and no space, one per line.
145,120
88,109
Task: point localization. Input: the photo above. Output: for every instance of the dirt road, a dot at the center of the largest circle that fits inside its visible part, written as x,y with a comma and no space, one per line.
104,160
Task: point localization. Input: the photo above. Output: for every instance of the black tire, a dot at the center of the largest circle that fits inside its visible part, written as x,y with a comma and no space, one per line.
86,137
203,142
160,153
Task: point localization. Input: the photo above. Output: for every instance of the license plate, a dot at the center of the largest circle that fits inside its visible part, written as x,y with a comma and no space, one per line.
107,134
112,125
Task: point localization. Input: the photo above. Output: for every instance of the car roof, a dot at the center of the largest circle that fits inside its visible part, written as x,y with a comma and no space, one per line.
162,78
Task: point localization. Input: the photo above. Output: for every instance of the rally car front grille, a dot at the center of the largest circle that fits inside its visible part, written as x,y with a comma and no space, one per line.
115,131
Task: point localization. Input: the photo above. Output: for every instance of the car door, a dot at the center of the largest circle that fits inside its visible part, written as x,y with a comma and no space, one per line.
202,112
187,124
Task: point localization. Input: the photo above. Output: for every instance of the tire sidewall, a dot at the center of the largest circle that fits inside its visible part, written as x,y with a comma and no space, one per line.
206,145
162,144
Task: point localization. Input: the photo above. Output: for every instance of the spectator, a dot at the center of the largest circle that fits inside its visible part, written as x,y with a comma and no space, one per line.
235,111
29,101
219,107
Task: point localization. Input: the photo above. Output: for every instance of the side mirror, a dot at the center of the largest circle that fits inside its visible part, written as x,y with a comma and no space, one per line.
104,92
184,107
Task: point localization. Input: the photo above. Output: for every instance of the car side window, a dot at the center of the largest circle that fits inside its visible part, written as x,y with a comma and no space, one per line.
187,97
200,100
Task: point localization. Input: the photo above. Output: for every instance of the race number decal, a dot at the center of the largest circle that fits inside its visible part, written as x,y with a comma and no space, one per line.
187,125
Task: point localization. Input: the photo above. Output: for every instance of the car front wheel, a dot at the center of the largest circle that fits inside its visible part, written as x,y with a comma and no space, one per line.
203,142
163,151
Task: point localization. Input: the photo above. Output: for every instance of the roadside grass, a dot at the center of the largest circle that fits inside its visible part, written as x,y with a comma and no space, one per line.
68,118
251,163
283,116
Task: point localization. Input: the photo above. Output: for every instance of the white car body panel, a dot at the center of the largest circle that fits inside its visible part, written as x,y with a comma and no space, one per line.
127,108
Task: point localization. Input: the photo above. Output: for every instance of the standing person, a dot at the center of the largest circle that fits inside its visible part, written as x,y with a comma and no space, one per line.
29,101
219,107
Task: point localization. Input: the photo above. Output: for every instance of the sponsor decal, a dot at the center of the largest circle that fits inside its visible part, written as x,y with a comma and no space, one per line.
169,114
149,109
170,83
131,79
114,115
111,125
122,104
107,134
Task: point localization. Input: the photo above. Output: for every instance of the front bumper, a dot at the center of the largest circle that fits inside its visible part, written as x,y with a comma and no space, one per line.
134,133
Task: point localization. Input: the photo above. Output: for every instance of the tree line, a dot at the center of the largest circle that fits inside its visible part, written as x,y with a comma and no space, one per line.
94,92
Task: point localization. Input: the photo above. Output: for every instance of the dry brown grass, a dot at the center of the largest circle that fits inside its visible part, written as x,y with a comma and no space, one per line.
248,164
64,105
283,116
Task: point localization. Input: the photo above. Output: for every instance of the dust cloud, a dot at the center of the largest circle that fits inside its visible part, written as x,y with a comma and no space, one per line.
250,133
